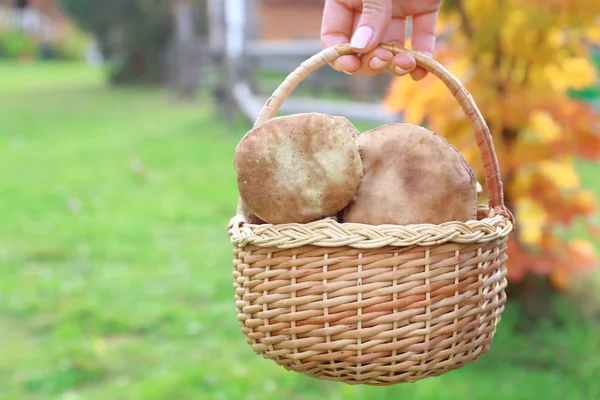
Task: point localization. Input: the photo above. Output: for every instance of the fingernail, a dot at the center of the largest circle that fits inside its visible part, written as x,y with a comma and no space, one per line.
361,37
401,71
348,72
377,63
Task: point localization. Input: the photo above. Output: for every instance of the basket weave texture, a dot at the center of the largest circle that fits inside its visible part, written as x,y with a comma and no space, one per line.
374,305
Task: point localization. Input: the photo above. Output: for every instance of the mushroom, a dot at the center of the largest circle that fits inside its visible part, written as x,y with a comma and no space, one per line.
247,215
411,176
298,168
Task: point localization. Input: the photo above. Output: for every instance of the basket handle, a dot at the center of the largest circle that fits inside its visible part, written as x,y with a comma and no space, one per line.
482,133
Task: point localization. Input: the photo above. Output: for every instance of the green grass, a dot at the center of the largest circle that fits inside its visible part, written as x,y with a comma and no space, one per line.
115,265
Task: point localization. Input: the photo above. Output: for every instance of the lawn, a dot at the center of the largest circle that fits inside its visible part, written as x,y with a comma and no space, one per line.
115,264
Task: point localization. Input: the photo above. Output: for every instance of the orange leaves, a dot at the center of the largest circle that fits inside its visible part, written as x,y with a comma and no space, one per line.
587,145
522,261
582,202
592,33
576,257
555,188
581,126
559,259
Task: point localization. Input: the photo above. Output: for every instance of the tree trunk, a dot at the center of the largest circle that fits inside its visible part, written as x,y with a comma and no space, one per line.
216,26
184,55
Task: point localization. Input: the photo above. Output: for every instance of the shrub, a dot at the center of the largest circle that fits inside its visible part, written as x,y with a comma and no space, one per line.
15,44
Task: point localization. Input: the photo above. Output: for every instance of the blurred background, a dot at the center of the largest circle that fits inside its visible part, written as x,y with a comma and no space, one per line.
118,122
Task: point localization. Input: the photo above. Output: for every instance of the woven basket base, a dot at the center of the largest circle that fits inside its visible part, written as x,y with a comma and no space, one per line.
371,316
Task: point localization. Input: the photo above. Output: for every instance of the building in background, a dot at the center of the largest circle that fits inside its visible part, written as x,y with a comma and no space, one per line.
42,20
277,19
289,19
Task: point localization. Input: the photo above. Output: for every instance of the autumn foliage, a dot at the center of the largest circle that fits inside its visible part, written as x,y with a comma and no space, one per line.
520,59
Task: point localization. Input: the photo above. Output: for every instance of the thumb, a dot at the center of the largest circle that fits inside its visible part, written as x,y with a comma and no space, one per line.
372,25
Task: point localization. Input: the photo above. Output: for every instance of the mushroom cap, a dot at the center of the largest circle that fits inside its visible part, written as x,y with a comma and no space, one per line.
298,168
411,176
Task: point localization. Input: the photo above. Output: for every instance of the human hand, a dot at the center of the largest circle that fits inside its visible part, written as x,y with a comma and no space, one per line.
371,22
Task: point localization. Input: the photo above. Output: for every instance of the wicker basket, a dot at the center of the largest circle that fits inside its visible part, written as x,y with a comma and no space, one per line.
374,305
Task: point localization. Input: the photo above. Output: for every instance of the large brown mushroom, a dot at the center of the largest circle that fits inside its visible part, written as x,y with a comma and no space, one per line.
298,168
411,176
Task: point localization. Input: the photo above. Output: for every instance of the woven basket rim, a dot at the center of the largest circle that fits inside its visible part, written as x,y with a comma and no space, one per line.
330,233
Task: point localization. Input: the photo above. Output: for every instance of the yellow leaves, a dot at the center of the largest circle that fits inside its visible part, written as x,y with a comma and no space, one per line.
555,38
486,59
531,219
525,153
415,109
521,182
580,71
480,11
562,173
512,30
572,73
516,18
417,99
404,96
446,23
470,153
593,33
428,97
544,128
456,128
514,25
530,33
472,7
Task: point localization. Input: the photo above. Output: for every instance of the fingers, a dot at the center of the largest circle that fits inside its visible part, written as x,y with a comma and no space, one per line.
398,65
403,64
397,35
379,59
423,39
375,62
336,28
372,25
338,24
